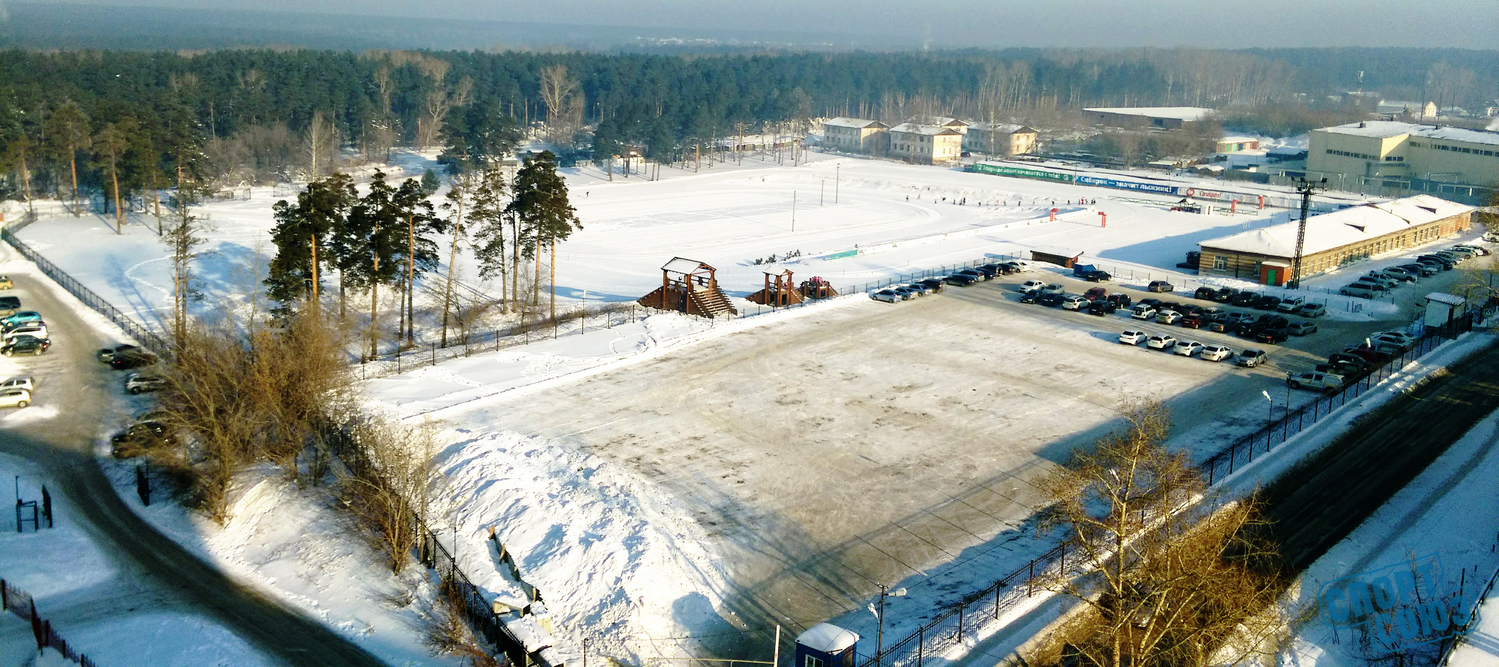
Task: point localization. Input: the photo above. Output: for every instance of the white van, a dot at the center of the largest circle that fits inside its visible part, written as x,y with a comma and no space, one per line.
1360,291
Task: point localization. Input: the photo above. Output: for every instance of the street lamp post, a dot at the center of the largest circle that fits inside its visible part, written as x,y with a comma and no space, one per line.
1272,403
879,635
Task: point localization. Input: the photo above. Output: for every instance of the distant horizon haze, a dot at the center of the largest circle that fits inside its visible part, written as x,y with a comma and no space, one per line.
993,24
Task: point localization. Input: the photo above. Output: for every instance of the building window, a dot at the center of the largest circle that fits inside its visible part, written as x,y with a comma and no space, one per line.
813,661
1220,263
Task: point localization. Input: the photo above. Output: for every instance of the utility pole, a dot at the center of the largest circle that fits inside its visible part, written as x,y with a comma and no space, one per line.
837,175
1305,188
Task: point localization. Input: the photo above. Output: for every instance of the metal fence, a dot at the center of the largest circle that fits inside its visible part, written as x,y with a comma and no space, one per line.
20,603
477,611
147,338
948,628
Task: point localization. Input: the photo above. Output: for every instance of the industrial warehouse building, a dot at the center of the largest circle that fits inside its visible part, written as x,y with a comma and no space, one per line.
1165,118
1333,239
1390,149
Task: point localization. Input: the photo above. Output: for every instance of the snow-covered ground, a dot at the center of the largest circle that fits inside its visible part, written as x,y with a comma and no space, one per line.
101,609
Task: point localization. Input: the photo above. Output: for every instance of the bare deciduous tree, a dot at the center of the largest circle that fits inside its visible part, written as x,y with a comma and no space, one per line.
319,144
558,93
395,493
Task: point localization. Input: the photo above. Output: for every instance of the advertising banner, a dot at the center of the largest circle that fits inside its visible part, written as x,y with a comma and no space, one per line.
1021,172
1156,188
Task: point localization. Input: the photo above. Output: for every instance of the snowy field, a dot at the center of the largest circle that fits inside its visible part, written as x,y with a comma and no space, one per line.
770,470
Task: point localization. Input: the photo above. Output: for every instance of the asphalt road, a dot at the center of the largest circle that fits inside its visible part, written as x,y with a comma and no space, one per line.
70,375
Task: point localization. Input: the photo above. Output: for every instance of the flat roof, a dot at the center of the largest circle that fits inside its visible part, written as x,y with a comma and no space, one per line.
1388,129
1340,228
1178,113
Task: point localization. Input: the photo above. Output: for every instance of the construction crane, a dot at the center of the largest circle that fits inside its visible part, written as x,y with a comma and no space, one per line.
1305,188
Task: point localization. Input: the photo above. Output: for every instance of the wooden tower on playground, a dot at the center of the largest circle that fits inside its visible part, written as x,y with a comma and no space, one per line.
780,290
689,286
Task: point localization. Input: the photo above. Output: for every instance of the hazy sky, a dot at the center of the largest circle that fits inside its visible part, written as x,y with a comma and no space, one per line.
997,23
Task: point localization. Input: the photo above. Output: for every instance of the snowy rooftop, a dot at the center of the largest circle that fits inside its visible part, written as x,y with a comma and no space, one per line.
1237,139
1003,128
1340,228
913,128
1388,128
1179,113
850,122
827,638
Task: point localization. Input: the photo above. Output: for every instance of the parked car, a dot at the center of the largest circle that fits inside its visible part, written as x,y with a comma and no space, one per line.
1032,285
108,353
1420,269
1074,302
1205,293
25,345
1101,308
1315,380
1095,294
1143,312
1445,262
24,382
5,282
1054,288
1219,326
918,289
1132,337
1290,305
1357,290
138,437
1312,310
1402,340
138,383
1119,299
1167,317
1266,302
34,329
1213,314
135,359
960,279
14,398
1245,298
1187,348
1224,294
1153,303
1216,352
1161,342
1476,249
1191,321
1235,319
1051,300
1249,358
21,317
905,292
1097,276
1301,328
1170,305
1271,336
997,269
977,275
1272,321
9,305
1401,274
1346,369
886,295
1029,297
988,271
1379,279
1348,357
1159,286
1372,355
933,284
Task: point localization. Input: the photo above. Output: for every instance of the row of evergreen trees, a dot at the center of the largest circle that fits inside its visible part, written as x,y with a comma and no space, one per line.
389,237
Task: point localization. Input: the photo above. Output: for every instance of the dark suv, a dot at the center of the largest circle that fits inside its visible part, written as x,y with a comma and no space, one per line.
25,345
132,359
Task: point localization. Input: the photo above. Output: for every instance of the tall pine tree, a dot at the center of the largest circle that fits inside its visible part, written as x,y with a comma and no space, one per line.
301,237
542,209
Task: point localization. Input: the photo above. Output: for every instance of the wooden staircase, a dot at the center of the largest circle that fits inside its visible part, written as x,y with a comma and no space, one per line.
710,302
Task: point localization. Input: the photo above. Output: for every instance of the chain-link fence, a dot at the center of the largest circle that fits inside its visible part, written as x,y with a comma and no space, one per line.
146,337
947,630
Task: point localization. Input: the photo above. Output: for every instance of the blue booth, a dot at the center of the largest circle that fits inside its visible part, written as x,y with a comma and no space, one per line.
825,645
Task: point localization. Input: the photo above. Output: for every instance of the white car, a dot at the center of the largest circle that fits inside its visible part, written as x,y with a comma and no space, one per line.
887,295
138,383
1393,338
34,329
1054,288
1315,381
1187,348
1132,337
1161,342
1168,317
1216,353
1143,313
1031,285
25,382
1291,305
14,398
1074,302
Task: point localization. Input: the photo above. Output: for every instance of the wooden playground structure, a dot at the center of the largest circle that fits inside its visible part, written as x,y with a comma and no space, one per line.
689,286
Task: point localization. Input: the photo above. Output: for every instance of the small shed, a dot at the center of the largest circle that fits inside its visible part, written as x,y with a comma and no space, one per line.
825,645
1442,308
1062,257
1274,273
